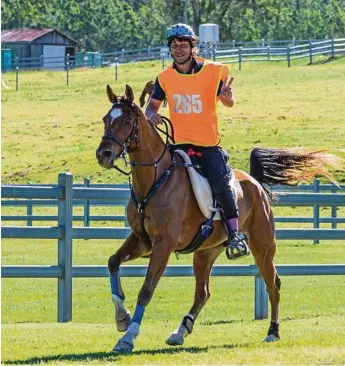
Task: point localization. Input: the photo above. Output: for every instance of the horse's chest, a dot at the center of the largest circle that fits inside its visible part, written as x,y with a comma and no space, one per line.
154,219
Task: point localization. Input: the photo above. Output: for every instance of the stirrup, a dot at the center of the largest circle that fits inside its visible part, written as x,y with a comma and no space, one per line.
237,247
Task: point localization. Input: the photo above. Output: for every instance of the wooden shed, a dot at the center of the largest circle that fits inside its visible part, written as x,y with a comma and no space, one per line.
44,46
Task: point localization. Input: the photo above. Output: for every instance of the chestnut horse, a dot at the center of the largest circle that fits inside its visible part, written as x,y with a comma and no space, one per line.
148,89
165,217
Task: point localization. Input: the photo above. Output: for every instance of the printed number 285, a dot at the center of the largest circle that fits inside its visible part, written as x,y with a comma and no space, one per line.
187,103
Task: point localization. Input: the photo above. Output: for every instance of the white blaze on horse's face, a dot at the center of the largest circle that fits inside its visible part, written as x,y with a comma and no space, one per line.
115,113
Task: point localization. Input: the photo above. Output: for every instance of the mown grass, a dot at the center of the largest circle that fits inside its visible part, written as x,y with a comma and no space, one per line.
49,128
312,312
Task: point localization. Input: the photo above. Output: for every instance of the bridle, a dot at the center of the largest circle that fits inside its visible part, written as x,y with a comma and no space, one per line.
134,136
140,204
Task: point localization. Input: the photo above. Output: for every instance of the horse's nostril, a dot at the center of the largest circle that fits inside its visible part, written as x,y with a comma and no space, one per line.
107,153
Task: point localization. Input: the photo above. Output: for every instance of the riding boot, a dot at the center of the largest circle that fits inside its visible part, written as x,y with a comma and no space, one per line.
237,246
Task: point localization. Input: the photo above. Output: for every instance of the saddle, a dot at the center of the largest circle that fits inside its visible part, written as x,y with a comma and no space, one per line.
202,189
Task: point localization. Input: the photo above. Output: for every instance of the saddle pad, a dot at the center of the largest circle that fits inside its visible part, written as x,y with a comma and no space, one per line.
201,188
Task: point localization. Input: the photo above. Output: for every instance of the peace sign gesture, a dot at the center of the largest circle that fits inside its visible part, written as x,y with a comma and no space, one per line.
226,90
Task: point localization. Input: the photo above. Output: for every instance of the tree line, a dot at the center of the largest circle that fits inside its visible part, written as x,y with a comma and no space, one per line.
110,25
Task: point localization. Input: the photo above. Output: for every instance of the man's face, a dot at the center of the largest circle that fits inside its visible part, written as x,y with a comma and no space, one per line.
181,50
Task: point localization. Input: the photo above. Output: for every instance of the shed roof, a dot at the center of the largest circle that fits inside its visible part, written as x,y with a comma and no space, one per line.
27,34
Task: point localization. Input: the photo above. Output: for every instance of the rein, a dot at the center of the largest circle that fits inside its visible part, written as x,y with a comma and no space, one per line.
134,136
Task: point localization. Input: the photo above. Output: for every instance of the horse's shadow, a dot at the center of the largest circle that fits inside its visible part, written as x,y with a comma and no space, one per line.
113,357
218,322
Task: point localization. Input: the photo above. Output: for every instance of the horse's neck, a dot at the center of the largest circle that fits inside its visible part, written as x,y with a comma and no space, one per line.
150,149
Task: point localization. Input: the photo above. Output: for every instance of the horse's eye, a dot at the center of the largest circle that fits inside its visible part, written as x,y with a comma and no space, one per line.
128,120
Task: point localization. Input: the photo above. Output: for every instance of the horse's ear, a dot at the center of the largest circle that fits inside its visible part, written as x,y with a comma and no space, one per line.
111,96
129,93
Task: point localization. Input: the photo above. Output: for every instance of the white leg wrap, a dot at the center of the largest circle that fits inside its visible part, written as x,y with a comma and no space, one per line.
126,343
271,338
177,336
134,329
118,302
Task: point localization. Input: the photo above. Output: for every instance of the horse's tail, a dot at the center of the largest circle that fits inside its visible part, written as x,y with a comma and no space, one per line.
292,166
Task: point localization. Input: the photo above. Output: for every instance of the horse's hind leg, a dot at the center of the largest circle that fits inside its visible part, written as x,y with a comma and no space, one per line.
203,262
132,248
272,280
263,245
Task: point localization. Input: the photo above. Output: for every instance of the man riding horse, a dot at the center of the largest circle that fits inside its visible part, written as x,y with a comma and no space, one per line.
193,86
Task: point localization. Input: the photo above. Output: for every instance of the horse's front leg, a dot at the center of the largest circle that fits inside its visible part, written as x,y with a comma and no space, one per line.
202,263
132,248
158,261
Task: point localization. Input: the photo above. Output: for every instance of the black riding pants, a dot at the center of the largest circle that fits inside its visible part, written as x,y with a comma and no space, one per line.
213,163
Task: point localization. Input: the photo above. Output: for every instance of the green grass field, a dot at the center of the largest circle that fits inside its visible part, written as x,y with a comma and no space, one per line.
48,128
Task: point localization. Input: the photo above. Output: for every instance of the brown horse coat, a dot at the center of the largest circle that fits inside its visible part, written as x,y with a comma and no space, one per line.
172,217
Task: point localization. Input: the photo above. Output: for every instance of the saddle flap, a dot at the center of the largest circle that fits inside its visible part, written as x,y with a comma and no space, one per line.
201,188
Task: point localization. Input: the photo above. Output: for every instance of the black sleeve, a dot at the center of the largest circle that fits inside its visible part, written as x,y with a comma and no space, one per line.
219,87
158,93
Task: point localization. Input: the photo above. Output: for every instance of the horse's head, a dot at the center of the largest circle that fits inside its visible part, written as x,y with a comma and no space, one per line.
121,128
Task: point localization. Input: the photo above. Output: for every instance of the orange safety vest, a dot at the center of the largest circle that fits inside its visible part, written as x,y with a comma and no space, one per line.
192,102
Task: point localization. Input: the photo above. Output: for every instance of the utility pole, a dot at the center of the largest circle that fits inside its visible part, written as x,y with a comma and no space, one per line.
185,13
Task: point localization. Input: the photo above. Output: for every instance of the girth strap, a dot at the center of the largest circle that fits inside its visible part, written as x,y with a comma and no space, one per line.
204,232
141,205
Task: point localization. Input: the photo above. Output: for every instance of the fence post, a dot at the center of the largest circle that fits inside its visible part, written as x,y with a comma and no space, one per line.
316,189
17,78
149,52
261,298
163,62
288,56
239,58
65,217
86,205
42,62
67,71
334,209
333,50
126,219
116,62
310,52
29,211
123,55
268,53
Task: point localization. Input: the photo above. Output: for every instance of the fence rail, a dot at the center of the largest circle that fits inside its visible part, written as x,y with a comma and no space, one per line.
329,47
65,233
120,198
231,52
